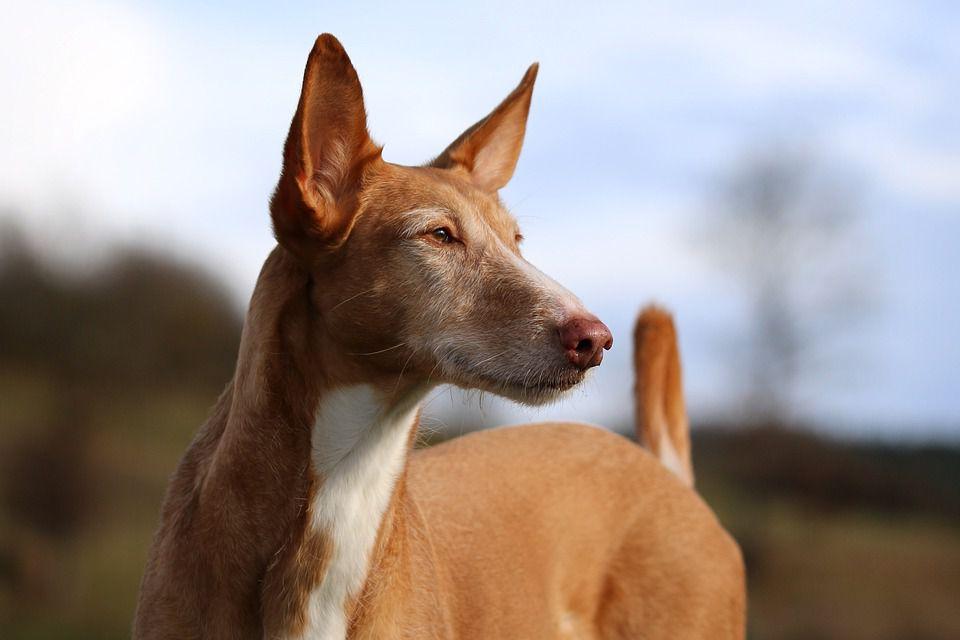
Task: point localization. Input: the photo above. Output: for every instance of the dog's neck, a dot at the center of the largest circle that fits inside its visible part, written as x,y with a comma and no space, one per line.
349,442
359,446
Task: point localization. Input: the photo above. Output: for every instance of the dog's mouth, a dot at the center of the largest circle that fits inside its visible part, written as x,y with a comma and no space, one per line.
530,387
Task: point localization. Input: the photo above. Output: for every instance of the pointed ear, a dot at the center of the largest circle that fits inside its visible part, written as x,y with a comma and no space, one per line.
325,153
488,151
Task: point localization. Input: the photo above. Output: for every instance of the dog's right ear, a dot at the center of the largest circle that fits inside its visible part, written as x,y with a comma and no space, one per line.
488,151
325,154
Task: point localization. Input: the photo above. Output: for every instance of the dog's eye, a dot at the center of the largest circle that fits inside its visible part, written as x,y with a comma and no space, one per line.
443,235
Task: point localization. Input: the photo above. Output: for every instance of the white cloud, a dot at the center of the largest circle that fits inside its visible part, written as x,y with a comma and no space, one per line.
73,75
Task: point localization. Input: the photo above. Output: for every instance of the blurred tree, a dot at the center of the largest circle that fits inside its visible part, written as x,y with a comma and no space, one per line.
97,362
141,319
783,228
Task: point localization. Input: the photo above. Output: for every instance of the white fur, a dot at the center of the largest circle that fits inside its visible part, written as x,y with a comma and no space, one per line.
671,460
359,444
421,220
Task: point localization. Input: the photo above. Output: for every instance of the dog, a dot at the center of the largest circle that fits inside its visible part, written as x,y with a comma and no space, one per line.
301,510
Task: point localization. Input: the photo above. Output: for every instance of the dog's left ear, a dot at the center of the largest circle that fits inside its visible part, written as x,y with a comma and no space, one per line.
488,151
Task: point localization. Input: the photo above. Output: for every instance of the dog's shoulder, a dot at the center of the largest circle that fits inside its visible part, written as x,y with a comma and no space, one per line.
578,440
566,458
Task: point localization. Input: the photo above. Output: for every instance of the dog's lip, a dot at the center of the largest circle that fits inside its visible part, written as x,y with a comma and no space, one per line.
560,382
555,380
564,383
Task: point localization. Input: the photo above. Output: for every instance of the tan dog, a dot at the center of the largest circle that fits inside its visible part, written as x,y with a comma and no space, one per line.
300,510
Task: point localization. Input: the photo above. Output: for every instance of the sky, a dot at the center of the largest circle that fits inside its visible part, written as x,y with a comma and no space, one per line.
161,124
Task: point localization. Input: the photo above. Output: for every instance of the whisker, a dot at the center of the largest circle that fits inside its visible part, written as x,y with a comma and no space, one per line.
432,371
373,353
403,368
356,295
485,360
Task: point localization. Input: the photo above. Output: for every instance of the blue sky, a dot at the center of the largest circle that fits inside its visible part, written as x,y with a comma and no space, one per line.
161,123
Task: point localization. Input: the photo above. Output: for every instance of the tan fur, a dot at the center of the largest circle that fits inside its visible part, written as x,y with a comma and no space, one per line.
661,412
544,531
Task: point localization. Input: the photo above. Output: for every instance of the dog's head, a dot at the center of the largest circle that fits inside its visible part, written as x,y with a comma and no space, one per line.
416,271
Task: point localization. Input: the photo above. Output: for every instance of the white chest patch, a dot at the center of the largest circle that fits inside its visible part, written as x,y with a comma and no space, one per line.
358,450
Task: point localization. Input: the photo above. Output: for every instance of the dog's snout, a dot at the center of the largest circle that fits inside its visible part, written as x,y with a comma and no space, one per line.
584,338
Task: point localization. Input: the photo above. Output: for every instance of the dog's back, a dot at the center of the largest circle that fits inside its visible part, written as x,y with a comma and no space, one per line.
580,508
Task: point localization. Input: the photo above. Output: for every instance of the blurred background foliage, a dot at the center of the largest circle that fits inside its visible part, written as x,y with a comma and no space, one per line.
104,375
106,372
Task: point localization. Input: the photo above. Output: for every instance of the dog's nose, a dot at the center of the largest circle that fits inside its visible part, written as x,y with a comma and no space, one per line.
583,339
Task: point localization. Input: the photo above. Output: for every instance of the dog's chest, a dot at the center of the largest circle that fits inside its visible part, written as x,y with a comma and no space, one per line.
358,451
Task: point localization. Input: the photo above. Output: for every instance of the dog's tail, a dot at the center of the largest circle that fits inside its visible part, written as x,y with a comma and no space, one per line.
661,415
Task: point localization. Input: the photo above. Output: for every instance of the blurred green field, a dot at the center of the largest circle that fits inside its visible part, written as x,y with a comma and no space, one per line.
105,377
822,563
